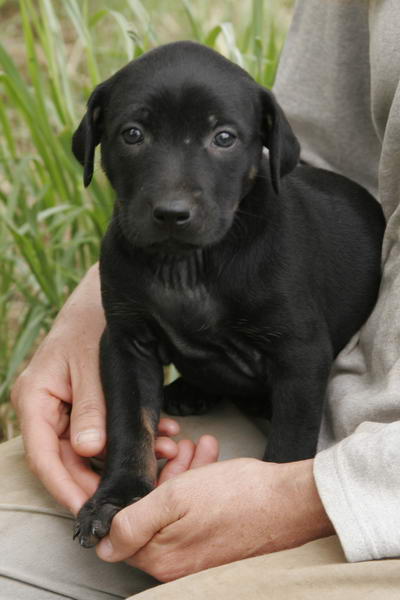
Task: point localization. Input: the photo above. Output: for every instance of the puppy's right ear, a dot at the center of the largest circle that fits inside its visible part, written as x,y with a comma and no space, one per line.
88,134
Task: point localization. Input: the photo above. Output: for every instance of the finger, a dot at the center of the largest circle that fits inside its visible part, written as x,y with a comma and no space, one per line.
44,417
51,402
88,415
181,462
165,448
206,451
42,447
134,526
168,426
79,468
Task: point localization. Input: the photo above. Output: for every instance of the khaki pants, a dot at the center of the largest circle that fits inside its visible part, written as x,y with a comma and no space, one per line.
39,560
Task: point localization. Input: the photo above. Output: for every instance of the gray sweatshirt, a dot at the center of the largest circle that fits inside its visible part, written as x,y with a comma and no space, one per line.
338,82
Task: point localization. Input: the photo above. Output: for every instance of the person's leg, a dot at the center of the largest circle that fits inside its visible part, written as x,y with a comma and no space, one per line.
311,572
39,560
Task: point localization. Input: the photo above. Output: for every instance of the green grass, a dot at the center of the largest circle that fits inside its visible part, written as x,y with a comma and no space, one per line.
52,54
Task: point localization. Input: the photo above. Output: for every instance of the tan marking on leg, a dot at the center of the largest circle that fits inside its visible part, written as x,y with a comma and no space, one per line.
150,463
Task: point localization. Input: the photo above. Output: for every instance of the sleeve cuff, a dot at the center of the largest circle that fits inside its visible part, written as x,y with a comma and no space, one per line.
360,493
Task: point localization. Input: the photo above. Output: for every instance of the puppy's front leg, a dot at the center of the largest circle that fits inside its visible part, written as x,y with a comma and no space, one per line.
132,378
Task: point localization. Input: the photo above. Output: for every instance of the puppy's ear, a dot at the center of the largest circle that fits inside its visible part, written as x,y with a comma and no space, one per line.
278,137
88,134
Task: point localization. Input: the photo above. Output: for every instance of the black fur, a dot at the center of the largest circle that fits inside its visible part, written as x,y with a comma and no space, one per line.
248,273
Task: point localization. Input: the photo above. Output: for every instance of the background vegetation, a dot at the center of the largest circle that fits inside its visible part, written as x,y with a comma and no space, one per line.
52,54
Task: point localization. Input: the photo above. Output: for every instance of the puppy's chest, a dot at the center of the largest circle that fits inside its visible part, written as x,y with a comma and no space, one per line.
197,328
179,300
185,312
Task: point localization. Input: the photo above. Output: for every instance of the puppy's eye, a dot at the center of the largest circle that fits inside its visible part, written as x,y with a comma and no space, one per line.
133,135
224,139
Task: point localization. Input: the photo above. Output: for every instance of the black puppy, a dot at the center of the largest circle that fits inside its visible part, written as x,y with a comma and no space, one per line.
248,273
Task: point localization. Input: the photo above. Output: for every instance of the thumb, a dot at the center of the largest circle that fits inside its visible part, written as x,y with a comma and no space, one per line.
134,526
88,414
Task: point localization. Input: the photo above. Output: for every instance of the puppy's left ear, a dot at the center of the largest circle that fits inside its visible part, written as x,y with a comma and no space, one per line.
88,134
278,137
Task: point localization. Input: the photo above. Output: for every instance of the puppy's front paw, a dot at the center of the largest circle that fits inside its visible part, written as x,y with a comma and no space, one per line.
93,522
182,399
94,519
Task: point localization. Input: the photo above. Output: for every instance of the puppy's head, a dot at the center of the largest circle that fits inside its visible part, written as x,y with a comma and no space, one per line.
181,132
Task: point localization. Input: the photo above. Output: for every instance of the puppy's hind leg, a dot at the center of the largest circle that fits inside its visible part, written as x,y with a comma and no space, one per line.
182,398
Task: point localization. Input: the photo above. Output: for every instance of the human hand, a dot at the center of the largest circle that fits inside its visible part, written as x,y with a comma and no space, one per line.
217,514
60,403
190,456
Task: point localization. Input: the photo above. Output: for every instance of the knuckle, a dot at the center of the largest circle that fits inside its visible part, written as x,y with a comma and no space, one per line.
165,571
32,465
122,526
14,395
175,491
18,388
160,572
88,407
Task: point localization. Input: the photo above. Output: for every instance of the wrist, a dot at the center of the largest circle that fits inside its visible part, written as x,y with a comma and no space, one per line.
84,304
292,498
87,293
313,521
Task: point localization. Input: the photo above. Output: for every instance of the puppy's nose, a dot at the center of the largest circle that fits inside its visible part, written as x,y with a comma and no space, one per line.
171,215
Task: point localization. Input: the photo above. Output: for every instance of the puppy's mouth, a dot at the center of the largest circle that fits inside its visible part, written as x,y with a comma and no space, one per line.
170,246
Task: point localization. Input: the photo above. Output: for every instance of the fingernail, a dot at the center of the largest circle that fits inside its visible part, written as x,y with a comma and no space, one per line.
87,436
105,548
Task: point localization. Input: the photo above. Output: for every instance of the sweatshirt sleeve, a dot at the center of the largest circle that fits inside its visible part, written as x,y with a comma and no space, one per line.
358,480
339,84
